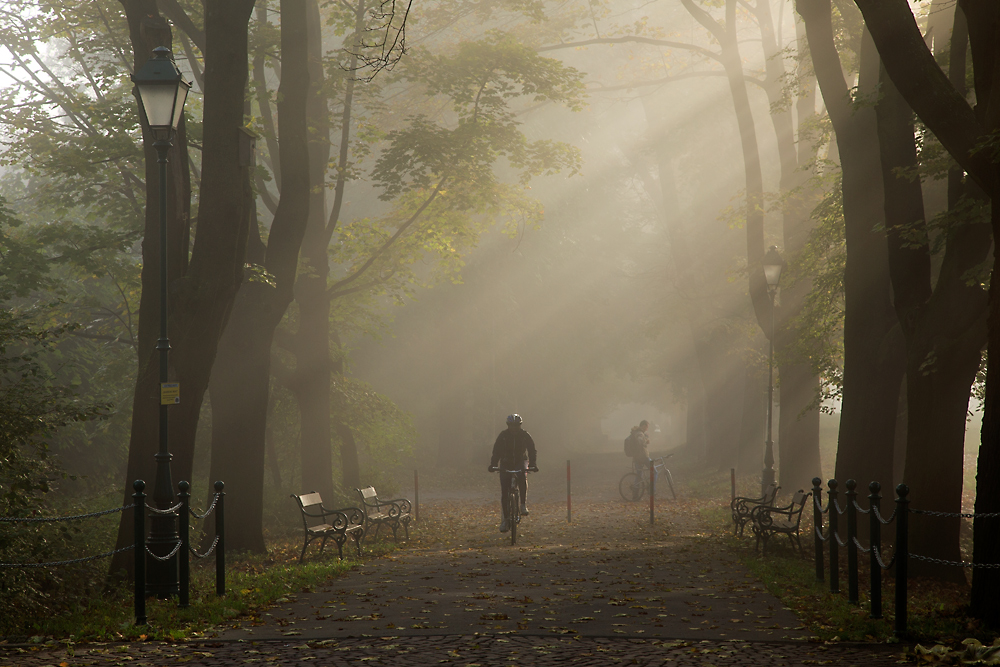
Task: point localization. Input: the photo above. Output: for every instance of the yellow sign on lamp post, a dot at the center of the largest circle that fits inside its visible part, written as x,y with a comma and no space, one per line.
170,393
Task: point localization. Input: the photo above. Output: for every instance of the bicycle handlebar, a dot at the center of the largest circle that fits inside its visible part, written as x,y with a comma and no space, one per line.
525,470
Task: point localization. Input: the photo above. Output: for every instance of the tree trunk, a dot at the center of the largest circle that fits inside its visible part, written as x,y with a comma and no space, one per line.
944,330
753,426
313,375
986,542
798,425
202,297
314,369
962,130
241,380
873,356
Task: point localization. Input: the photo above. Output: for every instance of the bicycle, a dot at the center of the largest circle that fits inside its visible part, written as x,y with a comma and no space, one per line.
514,501
633,486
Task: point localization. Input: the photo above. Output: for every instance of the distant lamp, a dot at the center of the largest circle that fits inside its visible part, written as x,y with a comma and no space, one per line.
773,264
162,91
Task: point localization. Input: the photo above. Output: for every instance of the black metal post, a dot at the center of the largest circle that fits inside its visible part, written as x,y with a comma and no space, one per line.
163,580
852,551
834,547
875,543
185,554
569,495
902,556
817,495
652,491
767,475
139,528
220,547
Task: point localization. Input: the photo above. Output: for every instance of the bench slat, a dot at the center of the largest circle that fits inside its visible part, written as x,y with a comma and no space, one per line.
310,499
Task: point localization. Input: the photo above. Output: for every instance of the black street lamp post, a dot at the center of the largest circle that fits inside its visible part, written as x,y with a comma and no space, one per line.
162,91
773,264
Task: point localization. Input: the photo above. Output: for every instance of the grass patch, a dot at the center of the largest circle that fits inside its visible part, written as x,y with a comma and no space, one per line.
253,584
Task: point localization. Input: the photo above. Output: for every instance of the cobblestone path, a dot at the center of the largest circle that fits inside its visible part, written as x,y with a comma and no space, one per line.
606,589
465,650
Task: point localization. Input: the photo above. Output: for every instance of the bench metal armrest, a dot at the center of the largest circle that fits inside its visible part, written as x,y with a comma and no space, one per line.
347,517
745,504
394,508
763,515
402,504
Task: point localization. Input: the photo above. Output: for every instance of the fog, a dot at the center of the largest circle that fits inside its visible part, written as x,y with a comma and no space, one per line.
588,323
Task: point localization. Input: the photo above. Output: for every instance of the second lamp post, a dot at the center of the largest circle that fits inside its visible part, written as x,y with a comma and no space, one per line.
773,264
162,92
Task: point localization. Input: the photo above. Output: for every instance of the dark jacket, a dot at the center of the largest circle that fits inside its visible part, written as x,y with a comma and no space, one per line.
512,448
640,445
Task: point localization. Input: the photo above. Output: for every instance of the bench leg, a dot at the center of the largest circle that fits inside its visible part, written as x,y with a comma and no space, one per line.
340,545
395,527
358,535
302,556
406,527
323,545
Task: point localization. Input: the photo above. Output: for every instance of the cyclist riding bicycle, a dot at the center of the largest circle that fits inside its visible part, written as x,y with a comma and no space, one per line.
513,450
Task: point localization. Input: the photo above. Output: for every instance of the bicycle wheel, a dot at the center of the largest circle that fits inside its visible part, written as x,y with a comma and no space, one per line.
515,516
632,487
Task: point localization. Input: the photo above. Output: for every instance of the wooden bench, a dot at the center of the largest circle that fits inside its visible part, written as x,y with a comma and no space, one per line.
320,522
743,507
768,521
394,513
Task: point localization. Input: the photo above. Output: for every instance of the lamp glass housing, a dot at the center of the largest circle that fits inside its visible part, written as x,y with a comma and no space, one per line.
773,264
772,273
162,90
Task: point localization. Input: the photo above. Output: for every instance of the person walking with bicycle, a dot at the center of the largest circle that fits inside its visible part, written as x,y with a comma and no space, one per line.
513,450
640,446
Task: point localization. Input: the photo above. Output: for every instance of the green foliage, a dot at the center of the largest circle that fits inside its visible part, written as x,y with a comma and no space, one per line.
32,407
822,261
385,433
480,81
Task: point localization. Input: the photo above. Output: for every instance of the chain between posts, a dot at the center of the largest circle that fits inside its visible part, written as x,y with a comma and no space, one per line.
217,546
885,522
215,543
211,508
65,562
164,559
54,519
955,563
878,557
957,515
169,510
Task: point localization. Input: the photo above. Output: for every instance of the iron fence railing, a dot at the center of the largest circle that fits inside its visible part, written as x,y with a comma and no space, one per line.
182,550
877,562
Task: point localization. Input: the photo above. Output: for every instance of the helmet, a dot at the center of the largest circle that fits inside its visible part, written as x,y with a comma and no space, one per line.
514,419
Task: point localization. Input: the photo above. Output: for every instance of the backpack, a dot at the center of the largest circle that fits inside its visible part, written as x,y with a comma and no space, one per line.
629,445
